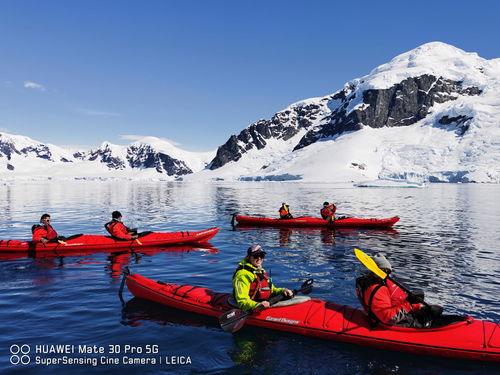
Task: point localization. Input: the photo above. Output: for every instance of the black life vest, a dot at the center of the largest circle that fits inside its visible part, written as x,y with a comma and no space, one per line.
362,283
109,225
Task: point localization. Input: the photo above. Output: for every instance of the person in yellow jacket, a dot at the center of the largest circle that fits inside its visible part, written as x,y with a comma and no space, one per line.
251,284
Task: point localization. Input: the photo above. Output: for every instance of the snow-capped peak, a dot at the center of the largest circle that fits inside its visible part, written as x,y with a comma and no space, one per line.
435,58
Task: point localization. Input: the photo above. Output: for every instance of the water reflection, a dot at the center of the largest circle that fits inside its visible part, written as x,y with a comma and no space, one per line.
119,260
287,235
114,263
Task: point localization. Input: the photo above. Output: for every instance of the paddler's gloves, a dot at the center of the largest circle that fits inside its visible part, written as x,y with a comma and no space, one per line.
436,311
433,311
417,296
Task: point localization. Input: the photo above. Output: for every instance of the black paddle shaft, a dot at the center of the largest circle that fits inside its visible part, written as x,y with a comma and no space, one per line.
233,320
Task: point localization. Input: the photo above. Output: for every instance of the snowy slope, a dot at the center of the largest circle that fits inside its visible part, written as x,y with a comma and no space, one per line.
145,158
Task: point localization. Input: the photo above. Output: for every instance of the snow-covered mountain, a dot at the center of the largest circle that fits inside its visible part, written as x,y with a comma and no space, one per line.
147,157
430,114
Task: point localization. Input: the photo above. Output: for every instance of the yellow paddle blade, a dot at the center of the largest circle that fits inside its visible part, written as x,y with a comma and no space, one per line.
138,242
369,263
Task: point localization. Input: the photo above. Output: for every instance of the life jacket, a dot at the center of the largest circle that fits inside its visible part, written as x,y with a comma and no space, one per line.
117,230
361,285
43,231
327,212
395,306
260,287
284,213
110,225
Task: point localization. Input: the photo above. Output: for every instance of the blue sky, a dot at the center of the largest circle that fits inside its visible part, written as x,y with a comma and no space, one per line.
81,72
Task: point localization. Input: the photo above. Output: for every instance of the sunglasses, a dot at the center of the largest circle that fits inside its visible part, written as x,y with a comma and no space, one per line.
257,256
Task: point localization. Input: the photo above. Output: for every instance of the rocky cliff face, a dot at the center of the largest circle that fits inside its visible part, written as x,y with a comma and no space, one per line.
105,155
144,156
400,105
349,110
282,126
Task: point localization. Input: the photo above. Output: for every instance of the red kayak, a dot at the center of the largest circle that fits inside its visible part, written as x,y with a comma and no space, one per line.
467,339
95,242
305,221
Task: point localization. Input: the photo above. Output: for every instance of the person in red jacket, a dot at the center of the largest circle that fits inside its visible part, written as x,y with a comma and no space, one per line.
118,230
328,211
387,303
44,233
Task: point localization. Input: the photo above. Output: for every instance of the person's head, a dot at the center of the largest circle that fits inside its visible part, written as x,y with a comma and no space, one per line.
255,255
326,204
284,204
116,215
382,262
45,219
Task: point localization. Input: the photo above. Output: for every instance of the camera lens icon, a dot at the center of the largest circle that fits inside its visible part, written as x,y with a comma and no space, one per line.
24,358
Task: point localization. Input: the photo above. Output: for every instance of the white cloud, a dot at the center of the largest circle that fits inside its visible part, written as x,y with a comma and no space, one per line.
92,112
34,85
146,138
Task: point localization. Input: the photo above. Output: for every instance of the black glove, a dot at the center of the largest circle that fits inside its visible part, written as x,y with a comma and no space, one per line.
436,311
417,296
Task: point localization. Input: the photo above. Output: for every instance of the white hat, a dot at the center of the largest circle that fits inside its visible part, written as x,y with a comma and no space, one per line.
382,261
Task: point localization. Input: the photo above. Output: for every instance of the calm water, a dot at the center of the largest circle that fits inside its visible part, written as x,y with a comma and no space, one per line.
446,243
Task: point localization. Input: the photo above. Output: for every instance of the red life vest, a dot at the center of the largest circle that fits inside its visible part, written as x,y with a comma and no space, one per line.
392,305
43,231
327,212
260,287
285,212
117,229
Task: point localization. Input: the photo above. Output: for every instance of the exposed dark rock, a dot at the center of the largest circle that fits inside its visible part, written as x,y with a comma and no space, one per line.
7,149
144,156
10,167
283,125
461,122
400,105
40,151
106,156
79,155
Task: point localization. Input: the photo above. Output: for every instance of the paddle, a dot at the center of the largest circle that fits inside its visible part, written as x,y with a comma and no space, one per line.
233,320
369,263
